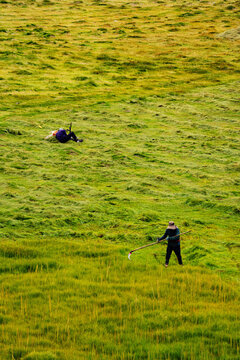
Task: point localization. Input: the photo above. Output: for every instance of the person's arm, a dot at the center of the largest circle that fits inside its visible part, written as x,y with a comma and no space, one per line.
70,128
175,237
163,237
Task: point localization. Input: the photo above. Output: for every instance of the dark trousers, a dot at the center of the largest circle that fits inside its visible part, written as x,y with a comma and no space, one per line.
176,248
66,137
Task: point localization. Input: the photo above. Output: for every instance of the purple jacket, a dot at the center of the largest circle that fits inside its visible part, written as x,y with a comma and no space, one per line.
62,136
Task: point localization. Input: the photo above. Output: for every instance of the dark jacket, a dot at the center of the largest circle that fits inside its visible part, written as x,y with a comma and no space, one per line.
170,233
62,136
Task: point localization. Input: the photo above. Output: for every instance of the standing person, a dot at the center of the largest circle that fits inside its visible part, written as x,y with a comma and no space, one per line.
63,137
172,235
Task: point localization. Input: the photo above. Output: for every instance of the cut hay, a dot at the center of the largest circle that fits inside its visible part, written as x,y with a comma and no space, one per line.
233,34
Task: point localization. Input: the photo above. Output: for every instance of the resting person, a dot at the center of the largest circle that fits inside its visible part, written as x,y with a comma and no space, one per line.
173,242
63,137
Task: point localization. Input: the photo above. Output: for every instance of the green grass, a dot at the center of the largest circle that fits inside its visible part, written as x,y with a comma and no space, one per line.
153,89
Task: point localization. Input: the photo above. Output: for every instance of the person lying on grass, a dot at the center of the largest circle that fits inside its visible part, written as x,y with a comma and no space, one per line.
62,136
171,234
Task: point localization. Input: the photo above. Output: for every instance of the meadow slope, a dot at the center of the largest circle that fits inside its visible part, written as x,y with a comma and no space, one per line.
153,89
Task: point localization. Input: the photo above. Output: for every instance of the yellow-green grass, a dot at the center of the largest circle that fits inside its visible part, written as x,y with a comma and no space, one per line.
154,93
94,303
113,48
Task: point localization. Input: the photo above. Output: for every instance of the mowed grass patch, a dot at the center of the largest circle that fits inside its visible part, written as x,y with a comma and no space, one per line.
71,213
64,48
154,92
141,159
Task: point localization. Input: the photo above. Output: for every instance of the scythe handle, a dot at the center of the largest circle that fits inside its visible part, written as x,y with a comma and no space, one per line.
142,247
157,242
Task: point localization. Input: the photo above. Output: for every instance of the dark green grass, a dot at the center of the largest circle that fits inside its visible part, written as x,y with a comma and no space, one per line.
71,213
146,157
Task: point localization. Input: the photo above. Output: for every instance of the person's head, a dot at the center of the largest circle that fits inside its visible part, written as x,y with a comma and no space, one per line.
53,133
171,225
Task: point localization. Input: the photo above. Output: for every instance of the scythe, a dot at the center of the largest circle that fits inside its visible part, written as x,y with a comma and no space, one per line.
156,242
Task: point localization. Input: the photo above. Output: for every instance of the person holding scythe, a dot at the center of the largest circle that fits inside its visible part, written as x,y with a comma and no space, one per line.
172,234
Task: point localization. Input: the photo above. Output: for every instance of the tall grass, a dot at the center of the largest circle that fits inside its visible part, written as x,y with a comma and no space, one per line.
153,89
101,305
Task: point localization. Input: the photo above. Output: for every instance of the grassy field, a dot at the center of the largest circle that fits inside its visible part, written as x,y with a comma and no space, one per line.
153,89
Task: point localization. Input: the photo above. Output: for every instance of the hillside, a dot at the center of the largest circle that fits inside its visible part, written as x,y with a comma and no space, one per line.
153,89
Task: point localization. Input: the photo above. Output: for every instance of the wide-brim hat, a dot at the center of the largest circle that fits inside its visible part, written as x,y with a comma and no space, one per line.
171,225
